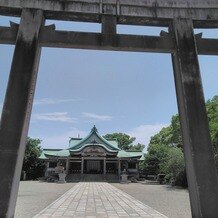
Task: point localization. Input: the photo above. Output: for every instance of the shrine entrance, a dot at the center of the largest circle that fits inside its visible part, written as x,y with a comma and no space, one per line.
180,17
93,167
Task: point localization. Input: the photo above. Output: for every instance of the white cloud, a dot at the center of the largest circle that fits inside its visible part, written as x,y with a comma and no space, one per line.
62,140
97,117
47,101
55,116
143,133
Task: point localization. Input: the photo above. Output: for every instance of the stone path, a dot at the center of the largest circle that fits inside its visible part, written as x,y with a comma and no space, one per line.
97,200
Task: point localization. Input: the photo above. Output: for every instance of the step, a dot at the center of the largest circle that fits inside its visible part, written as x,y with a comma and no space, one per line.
91,177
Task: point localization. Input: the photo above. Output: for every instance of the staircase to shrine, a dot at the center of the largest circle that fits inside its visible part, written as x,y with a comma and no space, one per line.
92,178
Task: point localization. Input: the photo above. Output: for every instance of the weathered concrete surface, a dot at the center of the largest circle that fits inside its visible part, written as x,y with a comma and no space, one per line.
17,108
139,12
120,42
199,158
34,196
97,41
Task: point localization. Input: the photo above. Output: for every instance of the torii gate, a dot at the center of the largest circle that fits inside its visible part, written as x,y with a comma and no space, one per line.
180,16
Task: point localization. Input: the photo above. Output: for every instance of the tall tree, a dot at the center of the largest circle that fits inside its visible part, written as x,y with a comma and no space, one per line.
171,160
137,147
124,140
32,166
155,156
173,163
212,111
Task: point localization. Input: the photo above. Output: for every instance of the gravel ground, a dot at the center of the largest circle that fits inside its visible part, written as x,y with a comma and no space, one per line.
33,196
172,202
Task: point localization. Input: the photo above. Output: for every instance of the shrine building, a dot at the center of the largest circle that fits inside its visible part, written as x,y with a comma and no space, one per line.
90,156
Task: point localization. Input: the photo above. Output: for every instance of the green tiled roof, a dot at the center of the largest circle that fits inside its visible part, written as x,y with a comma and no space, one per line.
114,142
51,151
94,139
123,154
63,153
54,153
74,141
142,157
42,156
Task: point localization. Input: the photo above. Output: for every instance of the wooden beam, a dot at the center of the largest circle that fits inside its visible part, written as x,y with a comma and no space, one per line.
137,12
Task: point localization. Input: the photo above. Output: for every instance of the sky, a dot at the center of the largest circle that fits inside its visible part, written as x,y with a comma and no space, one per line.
126,92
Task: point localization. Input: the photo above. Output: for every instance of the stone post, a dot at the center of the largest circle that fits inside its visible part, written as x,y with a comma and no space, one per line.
82,165
137,167
199,158
67,166
119,168
104,165
46,170
17,107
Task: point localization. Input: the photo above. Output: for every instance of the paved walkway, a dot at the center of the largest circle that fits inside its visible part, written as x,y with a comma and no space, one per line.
97,200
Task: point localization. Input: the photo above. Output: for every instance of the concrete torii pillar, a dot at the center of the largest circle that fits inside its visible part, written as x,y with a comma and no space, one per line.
17,107
199,159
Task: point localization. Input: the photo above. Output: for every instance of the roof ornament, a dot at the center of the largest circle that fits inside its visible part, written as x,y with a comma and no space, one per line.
94,129
94,141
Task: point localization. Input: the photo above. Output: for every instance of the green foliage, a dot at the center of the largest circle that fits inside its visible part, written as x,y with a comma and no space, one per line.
212,111
170,136
173,163
31,164
125,141
155,156
176,132
165,153
163,137
138,147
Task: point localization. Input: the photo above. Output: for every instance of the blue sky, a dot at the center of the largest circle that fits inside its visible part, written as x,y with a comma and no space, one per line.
116,91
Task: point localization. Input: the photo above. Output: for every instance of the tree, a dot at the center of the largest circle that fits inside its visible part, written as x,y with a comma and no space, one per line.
155,156
173,164
176,131
212,111
138,147
164,137
124,140
31,164
171,160
171,135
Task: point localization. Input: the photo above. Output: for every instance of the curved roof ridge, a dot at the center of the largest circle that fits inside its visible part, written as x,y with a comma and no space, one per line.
94,131
112,139
103,139
81,141
87,145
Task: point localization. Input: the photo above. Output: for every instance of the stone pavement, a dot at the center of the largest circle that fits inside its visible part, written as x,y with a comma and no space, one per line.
97,200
